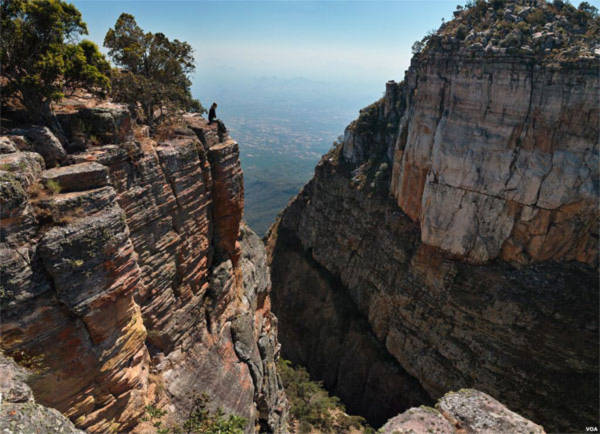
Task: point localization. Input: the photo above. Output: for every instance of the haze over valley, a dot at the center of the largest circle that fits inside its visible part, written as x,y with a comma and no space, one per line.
283,127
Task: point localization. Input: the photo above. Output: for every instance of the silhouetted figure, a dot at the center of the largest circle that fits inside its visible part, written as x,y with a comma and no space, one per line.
212,113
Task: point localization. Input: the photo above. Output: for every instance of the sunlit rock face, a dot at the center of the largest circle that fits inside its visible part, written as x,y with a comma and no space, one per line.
500,159
467,410
451,241
129,278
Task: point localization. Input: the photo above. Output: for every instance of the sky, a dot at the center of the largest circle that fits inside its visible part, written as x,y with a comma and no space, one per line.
349,44
345,41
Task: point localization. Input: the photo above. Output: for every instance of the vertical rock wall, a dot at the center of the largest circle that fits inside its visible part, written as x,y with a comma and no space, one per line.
129,285
457,223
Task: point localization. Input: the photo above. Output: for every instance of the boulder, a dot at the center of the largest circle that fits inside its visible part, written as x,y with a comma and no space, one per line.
45,143
465,411
418,420
474,411
77,177
7,146
25,166
107,124
13,387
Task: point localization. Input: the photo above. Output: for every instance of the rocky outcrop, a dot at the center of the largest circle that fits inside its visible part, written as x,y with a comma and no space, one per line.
87,125
19,413
457,222
126,277
465,411
77,177
41,140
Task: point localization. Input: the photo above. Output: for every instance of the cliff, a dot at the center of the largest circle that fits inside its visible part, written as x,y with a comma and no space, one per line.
451,240
128,277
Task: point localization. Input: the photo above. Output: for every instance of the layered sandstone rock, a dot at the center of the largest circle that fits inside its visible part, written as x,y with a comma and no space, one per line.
499,159
19,413
112,285
457,223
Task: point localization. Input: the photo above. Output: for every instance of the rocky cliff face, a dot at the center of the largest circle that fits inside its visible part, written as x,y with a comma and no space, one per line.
129,278
19,413
451,241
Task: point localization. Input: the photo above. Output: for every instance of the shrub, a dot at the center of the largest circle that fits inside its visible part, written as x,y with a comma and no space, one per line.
311,405
461,32
417,47
536,17
200,420
497,4
524,27
53,186
588,9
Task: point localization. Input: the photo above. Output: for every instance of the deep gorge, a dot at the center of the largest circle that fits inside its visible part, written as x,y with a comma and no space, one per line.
439,272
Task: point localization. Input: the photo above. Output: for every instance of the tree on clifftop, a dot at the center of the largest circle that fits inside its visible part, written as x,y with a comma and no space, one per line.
39,59
155,70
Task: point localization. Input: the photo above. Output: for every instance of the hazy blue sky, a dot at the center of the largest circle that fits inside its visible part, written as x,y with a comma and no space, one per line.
356,43
335,40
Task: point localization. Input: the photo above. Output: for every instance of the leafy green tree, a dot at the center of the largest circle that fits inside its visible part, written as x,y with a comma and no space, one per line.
417,47
155,70
40,58
589,9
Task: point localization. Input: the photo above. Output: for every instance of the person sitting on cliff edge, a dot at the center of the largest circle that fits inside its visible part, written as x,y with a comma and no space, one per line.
212,117
212,113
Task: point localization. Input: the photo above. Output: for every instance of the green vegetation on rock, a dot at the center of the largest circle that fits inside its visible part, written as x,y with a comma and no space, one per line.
199,420
553,31
53,186
312,409
155,70
40,62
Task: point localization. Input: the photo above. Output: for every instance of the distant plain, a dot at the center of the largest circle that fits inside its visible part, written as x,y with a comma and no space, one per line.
283,127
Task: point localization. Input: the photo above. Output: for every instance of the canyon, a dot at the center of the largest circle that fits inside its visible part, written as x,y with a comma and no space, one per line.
451,241
439,272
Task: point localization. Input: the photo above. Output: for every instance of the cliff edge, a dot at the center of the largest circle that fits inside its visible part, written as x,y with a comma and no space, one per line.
128,277
451,239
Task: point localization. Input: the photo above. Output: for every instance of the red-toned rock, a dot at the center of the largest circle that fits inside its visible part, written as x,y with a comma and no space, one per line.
228,194
112,284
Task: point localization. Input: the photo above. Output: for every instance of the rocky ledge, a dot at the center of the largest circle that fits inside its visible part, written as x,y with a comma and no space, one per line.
19,413
465,411
128,276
